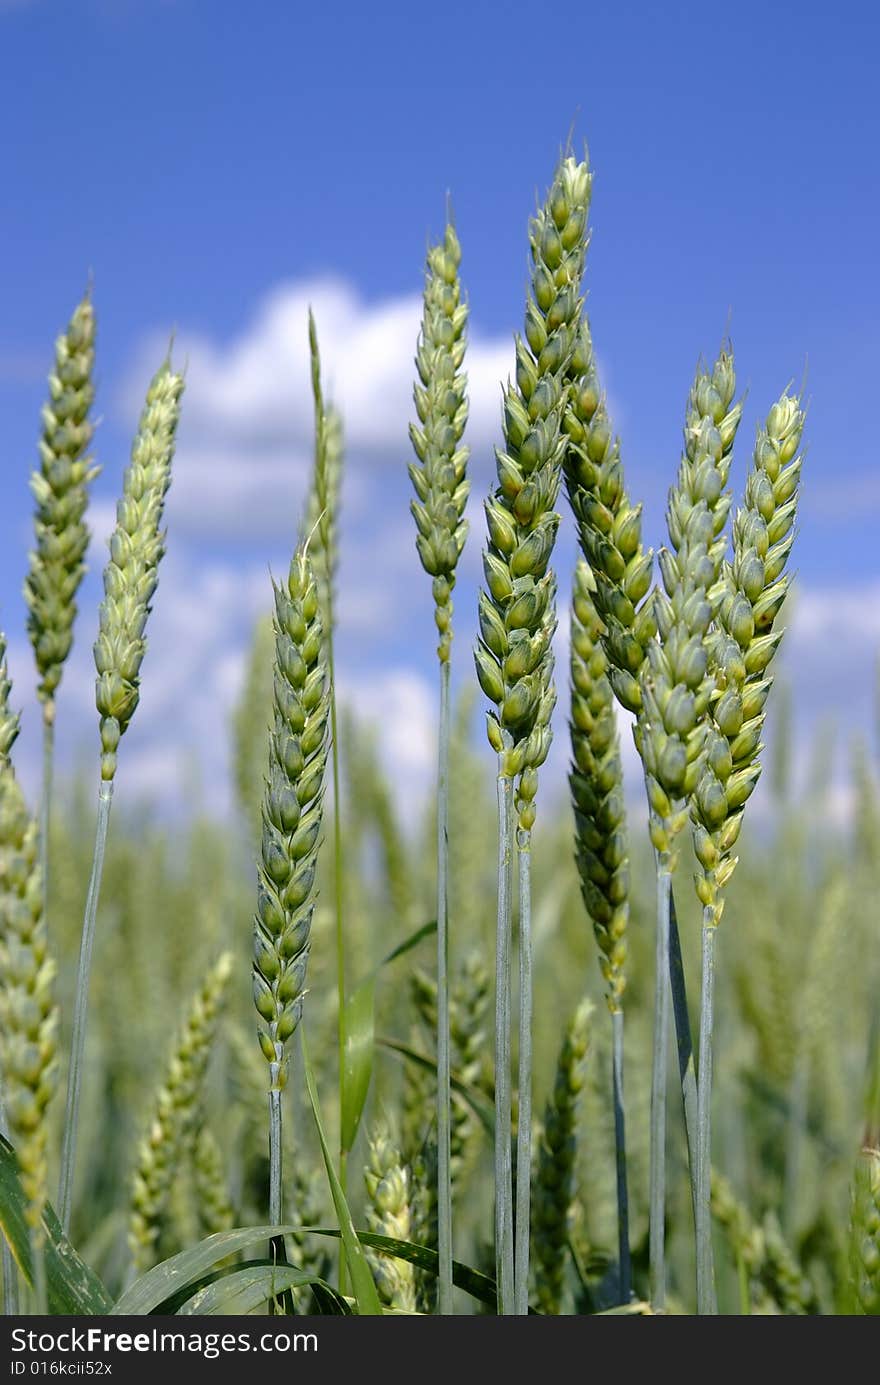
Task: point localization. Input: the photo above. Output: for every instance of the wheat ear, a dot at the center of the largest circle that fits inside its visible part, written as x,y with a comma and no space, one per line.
60,486
440,481
216,1212
292,809
601,848
130,580
555,1174
513,657
28,1010
751,592
175,1116
389,1213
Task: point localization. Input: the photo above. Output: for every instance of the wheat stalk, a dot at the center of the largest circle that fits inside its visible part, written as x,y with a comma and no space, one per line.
175,1115
56,568
292,809
440,481
514,659
130,580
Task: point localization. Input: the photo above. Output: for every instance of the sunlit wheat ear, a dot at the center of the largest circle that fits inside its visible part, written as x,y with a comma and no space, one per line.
440,481
175,1114
749,597
439,474
132,572
130,579
677,681
291,814
61,490
554,1190
514,658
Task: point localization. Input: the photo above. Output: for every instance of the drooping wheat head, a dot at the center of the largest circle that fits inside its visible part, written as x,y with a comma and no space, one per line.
439,475
61,489
132,571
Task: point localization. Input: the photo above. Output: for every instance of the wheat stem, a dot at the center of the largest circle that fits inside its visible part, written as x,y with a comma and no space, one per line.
10,1271
444,1169
705,1265
46,797
524,1121
624,1265
78,1039
504,1270
657,1220
684,1044
38,1263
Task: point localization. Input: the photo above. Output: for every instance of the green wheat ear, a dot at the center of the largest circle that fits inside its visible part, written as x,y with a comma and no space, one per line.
61,489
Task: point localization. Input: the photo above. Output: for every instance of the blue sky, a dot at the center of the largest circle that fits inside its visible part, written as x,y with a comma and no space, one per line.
219,166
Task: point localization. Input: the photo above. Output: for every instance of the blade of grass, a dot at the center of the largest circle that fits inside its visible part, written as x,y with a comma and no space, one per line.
362,1280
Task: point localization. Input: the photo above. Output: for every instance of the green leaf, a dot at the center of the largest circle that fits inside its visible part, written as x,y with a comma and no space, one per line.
359,1032
477,1102
478,1285
358,1029
165,1280
73,1288
246,1288
362,1280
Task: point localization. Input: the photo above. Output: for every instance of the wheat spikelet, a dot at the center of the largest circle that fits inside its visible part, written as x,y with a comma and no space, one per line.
132,572
753,588
174,1115
61,490
439,474
554,1176
292,806
596,783
389,1213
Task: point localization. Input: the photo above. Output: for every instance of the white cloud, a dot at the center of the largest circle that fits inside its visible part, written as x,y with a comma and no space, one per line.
246,431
